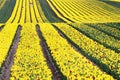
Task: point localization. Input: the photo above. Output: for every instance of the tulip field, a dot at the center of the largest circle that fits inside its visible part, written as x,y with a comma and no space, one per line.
59,40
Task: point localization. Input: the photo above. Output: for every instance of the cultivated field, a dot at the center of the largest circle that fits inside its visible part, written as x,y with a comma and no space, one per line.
59,40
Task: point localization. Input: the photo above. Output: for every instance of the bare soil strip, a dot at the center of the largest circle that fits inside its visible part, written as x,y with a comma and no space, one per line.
5,72
55,72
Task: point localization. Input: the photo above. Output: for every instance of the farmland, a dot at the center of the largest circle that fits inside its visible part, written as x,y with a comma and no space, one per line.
59,40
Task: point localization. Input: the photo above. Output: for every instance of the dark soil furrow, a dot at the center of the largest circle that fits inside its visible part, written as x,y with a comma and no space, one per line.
50,61
5,72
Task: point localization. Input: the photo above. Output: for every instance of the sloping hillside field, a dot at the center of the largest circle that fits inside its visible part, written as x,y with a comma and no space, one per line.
59,40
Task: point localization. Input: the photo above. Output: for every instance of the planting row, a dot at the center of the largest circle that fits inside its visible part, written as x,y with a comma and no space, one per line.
29,61
82,11
100,36
70,62
27,11
48,12
114,25
107,59
108,30
6,38
53,7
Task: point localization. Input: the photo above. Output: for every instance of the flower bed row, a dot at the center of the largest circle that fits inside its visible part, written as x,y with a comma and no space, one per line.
6,38
100,55
107,29
29,61
70,62
99,36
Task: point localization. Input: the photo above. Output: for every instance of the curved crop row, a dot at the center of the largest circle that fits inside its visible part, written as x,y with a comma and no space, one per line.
57,12
94,50
6,37
39,14
23,13
99,36
16,12
107,29
71,63
26,11
115,25
40,11
29,61
32,12
82,11
48,12
107,7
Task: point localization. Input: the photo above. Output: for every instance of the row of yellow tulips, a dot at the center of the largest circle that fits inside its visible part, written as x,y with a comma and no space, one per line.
108,29
82,11
92,48
27,11
29,61
99,35
6,38
70,62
